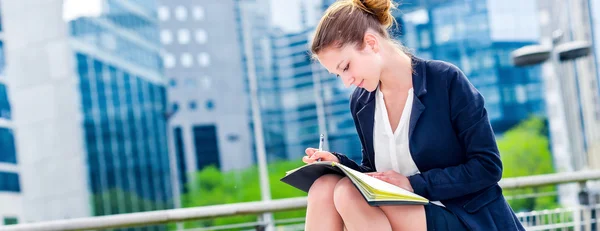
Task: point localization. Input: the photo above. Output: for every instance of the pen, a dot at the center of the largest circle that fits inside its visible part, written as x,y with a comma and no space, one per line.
321,140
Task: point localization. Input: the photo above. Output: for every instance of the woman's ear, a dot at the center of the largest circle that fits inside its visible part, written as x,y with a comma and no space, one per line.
371,42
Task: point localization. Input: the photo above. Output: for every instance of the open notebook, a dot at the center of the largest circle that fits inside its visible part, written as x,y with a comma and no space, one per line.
375,191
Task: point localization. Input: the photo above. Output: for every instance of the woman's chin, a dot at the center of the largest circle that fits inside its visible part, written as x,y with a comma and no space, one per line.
369,89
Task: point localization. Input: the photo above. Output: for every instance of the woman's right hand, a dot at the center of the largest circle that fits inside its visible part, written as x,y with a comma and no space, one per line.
313,154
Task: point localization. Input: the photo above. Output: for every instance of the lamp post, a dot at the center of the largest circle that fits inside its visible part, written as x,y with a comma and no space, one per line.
265,191
557,52
561,110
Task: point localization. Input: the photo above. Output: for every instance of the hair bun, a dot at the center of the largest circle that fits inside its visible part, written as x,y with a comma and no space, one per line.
382,9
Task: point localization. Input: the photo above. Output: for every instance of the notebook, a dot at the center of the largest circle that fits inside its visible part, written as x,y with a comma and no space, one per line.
376,192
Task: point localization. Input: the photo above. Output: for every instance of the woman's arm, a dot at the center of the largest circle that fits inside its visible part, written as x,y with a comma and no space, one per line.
483,167
353,165
364,166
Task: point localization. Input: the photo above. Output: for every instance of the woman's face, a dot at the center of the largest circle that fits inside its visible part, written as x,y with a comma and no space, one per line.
356,66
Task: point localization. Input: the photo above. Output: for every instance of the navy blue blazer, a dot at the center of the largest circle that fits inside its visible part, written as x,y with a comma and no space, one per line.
452,143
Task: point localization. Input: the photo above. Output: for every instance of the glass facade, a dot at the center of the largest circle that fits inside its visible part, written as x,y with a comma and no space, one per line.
124,111
468,35
122,32
125,136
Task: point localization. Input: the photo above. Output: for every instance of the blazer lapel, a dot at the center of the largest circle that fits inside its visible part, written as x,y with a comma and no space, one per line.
419,84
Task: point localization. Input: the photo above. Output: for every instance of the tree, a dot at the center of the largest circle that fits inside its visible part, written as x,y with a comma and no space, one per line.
525,151
214,187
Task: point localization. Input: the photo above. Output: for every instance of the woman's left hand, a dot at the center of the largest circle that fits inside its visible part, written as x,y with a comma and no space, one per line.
394,178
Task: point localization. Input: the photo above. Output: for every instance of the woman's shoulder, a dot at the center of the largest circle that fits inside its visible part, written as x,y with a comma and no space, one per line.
444,72
441,68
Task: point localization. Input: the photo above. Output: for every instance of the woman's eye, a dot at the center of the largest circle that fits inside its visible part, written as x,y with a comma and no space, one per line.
347,67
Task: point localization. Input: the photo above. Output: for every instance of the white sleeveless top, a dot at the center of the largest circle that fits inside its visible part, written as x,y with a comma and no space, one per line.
391,149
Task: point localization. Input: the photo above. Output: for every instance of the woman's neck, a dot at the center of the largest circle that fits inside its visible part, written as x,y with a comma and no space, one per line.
396,75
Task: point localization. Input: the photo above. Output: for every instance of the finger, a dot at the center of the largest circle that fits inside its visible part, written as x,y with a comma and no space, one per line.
310,151
323,155
383,178
307,159
318,154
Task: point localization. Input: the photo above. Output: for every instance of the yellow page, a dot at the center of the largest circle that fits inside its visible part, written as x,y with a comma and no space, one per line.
382,186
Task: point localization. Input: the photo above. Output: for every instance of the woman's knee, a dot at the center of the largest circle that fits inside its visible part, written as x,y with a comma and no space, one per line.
345,193
322,188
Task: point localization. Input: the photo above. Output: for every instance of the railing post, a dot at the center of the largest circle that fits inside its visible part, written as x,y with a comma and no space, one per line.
584,202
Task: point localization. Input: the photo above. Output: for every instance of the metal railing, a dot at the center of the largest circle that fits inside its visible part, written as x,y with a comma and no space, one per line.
256,208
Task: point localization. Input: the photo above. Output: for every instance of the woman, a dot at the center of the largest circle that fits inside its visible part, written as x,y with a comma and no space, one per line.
422,127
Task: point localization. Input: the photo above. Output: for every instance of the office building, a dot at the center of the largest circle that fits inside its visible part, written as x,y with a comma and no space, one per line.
209,124
90,117
11,211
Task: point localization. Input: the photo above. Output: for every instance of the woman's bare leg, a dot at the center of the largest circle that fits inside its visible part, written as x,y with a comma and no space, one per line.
320,212
356,213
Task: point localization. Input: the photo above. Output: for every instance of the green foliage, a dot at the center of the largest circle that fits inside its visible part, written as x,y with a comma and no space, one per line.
213,187
525,151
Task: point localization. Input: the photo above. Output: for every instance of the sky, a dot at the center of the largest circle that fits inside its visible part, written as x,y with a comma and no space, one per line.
286,14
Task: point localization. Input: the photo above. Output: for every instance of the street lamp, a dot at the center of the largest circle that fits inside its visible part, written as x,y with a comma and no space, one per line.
556,53
537,54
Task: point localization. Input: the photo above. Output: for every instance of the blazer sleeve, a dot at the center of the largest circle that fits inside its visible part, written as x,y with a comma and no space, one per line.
364,166
351,164
483,167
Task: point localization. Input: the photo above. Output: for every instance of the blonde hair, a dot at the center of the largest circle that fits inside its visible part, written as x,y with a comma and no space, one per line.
346,21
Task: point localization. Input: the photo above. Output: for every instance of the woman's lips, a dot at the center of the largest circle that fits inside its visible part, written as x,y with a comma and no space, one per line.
361,83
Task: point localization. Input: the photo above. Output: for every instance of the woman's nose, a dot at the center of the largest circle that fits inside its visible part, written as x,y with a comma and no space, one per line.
348,81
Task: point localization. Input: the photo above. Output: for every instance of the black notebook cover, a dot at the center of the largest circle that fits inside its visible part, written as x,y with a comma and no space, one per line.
303,178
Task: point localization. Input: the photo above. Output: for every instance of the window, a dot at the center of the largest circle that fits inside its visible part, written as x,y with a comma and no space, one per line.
174,106
210,105
206,144
192,105
183,36
7,146
206,82
163,13
173,82
166,37
4,103
201,36
198,13
181,13
169,61
9,182
203,59
181,163
10,221
187,60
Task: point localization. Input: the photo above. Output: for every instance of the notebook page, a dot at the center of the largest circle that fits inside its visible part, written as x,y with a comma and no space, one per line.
378,184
